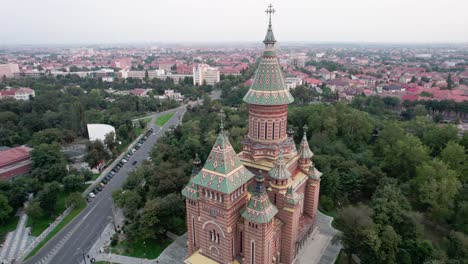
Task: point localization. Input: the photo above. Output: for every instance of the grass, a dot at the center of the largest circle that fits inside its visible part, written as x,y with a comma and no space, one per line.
147,119
162,120
95,176
8,226
39,225
57,229
149,249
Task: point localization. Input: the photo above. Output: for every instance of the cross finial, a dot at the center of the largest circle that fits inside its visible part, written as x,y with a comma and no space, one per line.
221,117
270,10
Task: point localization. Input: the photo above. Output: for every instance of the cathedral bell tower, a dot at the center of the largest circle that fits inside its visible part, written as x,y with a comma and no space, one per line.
268,99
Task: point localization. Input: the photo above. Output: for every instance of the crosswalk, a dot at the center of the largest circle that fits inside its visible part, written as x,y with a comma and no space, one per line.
16,241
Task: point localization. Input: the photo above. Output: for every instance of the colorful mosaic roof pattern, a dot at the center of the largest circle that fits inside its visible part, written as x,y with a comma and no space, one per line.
279,170
191,190
223,170
304,150
268,86
259,208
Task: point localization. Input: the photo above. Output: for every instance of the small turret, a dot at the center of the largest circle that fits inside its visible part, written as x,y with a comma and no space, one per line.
259,208
280,174
305,154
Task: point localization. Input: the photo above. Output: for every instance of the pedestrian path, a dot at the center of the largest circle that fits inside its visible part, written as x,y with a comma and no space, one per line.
16,241
322,247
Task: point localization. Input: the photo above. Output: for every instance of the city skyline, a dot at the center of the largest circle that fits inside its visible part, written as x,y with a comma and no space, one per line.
182,21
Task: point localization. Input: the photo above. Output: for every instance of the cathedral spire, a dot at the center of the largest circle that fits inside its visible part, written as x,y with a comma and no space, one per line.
304,150
270,37
268,87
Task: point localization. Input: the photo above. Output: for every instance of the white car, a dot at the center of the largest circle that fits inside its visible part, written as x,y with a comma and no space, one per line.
92,195
124,160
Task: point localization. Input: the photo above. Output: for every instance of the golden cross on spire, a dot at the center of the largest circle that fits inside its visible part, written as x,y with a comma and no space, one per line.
221,117
270,11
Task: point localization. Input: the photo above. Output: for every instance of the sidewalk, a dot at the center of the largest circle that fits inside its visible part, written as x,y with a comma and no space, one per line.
16,241
321,247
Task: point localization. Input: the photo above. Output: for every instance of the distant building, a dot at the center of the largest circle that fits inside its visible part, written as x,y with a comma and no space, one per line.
8,70
204,74
21,93
15,162
293,82
140,92
171,95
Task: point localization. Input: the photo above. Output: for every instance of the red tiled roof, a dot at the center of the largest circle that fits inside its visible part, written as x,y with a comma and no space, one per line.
13,154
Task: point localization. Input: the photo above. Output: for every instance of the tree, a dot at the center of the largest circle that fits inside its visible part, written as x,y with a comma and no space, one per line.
401,158
436,187
454,155
48,197
34,210
389,205
48,163
96,152
75,199
5,208
110,142
128,200
449,82
72,182
353,222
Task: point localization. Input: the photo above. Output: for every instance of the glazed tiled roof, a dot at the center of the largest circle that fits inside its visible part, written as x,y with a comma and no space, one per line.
279,170
259,208
268,86
191,190
304,150
223,170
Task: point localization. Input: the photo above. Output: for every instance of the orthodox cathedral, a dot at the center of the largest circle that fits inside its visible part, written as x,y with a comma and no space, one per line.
257,206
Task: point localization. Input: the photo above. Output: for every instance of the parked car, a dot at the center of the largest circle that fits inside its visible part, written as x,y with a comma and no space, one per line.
104,181
124,161
96,190
135,162
102,185
92,195
99,188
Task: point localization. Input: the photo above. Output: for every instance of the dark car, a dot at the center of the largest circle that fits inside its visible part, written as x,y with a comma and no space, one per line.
104,181
99,188
135,162
108,178
96,190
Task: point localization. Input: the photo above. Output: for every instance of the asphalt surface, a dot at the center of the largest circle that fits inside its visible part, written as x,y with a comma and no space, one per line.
77,237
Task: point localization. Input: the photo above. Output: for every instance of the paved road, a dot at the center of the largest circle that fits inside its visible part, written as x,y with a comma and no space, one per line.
84,230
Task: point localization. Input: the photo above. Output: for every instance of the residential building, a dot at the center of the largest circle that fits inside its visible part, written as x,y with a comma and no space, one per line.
204,74
258,206
8,70
21,93
15,162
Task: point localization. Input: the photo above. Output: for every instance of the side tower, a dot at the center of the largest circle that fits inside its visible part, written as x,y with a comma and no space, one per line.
268,99
215,197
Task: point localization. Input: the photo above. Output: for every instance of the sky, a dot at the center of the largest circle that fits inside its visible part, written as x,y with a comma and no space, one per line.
209,21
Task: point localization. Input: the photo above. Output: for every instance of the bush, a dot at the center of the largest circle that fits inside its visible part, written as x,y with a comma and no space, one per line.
326,203
114,240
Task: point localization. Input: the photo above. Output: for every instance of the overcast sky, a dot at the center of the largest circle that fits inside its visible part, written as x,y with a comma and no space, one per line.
141,21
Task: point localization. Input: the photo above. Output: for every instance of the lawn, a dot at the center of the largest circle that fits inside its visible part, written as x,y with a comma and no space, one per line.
9,225
162,120
149,249
95,176
39,225
57,229
147,119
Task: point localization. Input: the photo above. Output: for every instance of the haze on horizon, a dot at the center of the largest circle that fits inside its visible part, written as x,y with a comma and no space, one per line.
148,21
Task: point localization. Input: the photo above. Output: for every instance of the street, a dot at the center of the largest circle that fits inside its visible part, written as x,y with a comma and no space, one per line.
68,245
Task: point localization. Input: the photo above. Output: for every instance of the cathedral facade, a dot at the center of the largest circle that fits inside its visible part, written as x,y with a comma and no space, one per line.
257,206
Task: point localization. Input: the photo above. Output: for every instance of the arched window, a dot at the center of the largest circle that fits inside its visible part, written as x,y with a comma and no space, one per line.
193,231
273,136
279,130
258,129
241,242
253,252
211,235
217,238
266,129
